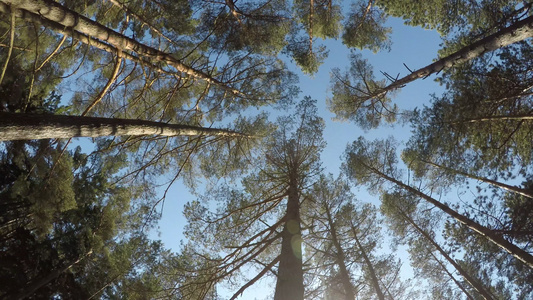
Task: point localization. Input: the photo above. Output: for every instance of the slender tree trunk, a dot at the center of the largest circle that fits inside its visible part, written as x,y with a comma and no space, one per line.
375,281
310,21
459,285
521,117
32,287
57,13
11,42
510,188
365,14
519,31
289,285
496,239
340,258
33,126
476,285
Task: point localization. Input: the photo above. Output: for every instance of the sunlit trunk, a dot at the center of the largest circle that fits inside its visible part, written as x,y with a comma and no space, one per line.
515,33
289,285
44,126
55,12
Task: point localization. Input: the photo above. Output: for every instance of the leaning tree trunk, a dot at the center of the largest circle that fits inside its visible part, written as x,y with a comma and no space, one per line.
510,188
55,12
36,19
476,285
519,117
289,285
493,237
43,126
373,276
459,285
519,31
375,281
340,258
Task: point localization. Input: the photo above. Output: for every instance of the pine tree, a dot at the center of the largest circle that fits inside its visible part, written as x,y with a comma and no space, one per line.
260,222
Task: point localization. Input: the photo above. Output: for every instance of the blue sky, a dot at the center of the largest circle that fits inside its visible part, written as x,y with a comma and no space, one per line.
413,46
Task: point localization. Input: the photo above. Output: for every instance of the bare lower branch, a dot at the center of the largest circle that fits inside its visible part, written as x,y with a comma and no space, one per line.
11,41
256,278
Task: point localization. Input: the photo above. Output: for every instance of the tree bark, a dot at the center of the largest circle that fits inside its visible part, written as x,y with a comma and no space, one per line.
375,281
4,8
11,42
340,258
310,21
55,12
520,117
43,126
476,285
510,188
497,239
289,285
519,31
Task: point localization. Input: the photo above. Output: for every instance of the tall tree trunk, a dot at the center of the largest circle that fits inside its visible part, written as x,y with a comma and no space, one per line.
496,239
289,285
517,32
55,12
476,285
310,21
340,258
510,188
373,276
33,126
